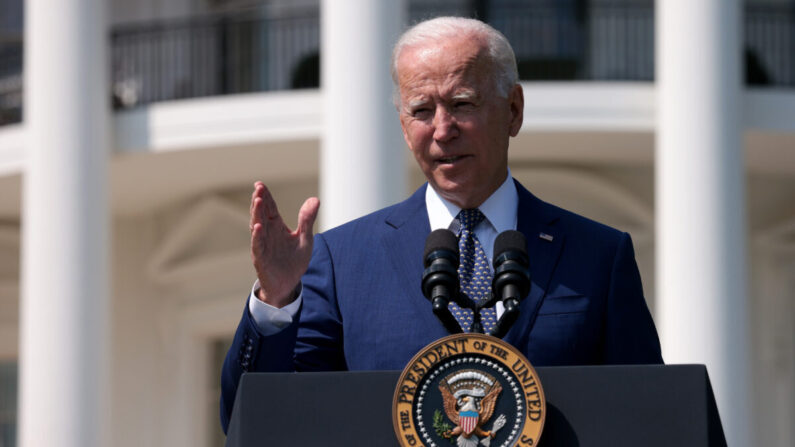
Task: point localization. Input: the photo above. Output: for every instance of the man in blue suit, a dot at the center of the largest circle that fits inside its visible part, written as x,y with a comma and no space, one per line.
350,298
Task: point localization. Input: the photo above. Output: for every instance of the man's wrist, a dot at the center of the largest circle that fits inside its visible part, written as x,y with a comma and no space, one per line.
292,296
269,319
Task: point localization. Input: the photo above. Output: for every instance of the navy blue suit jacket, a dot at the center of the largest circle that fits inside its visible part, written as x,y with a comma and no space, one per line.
363,308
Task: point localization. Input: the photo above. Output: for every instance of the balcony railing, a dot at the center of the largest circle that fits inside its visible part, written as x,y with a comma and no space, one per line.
769,37
247,52
231,53
10,81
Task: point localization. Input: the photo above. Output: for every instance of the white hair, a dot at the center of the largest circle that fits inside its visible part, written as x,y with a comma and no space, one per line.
498,48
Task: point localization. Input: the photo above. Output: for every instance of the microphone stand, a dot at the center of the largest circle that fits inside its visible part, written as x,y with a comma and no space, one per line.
511,299
465,303
507,319
501,327
444,315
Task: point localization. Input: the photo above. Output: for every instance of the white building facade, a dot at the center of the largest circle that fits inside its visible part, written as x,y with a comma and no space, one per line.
124,260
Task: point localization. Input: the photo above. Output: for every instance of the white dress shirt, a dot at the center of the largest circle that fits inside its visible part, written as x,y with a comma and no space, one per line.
500,210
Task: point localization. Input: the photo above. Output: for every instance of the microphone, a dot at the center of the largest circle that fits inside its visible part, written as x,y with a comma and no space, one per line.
511,281
440,277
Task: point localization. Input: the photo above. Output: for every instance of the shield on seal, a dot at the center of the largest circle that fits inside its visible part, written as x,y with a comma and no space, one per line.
468,420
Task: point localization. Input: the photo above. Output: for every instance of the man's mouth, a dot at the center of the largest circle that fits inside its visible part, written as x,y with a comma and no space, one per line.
450,160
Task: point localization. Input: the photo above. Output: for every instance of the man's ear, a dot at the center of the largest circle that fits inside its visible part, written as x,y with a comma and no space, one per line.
516,104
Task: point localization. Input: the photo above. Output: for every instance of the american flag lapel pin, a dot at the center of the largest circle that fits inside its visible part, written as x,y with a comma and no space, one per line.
546,237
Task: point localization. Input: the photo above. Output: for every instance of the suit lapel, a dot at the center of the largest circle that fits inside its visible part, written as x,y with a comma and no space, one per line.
536,220
404,241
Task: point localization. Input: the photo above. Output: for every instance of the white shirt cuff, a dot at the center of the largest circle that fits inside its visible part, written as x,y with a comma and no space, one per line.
270,319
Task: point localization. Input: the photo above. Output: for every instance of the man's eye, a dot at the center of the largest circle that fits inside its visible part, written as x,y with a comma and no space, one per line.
463,104
422,112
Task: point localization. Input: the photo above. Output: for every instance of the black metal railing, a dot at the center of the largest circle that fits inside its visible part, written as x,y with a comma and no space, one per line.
250,52
769,45
10,81
227,54
573,41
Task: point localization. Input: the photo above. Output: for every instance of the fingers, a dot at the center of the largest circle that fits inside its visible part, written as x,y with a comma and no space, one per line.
258,249
271,211
257,242
263,211
306,217
263,208
255,207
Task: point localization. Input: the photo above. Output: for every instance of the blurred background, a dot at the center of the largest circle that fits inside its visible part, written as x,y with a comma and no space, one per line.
206,96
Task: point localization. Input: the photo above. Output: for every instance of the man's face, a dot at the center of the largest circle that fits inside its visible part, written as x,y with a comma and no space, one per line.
454,120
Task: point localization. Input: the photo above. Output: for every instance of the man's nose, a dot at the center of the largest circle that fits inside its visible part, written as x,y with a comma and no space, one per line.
445,126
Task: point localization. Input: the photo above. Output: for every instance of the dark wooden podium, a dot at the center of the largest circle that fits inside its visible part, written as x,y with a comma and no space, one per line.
649,405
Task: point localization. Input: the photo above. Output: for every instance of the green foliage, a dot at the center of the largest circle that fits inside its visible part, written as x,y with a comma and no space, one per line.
440,426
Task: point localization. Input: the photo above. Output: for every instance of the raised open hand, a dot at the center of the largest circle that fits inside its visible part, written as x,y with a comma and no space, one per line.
280,256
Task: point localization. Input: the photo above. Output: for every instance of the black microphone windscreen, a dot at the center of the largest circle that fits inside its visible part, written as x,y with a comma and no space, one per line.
441,239
510,240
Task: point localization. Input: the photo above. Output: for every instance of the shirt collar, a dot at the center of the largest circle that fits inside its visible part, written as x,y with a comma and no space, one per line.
499,209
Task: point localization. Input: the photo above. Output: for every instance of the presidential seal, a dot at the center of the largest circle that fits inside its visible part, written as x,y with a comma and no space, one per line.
468,390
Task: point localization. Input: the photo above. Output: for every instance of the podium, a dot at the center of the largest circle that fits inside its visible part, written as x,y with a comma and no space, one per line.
642,405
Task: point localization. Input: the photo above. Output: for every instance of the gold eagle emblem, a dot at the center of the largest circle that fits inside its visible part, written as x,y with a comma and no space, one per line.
469,398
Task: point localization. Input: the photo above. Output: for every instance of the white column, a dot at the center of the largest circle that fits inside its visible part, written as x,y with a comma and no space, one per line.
700,216
64,309
362,156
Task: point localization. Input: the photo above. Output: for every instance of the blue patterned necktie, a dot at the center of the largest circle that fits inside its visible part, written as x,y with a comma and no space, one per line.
473,271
